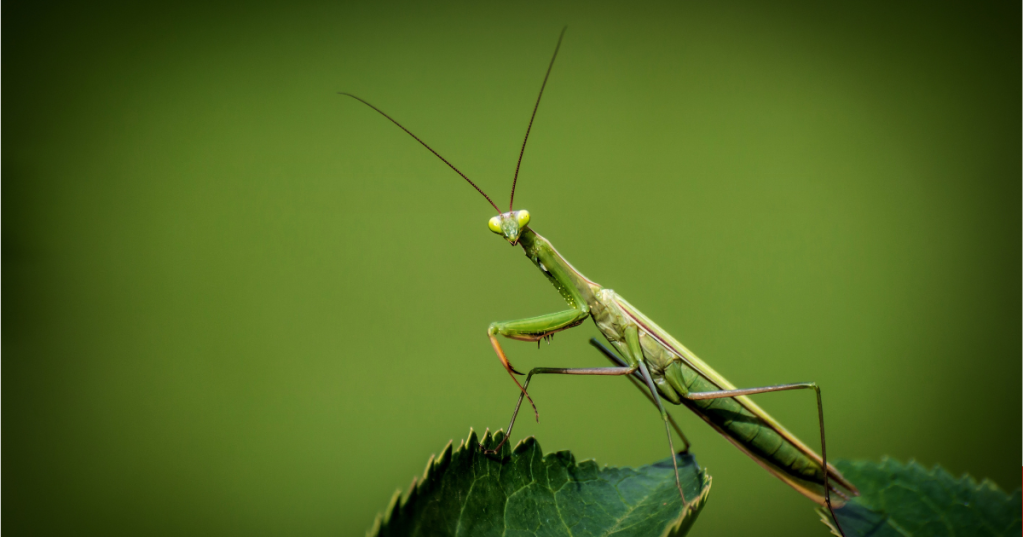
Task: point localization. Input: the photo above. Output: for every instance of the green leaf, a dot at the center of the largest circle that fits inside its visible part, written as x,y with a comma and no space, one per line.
523,492
906,500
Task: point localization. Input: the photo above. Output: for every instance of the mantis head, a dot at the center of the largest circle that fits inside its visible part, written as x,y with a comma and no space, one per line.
510,225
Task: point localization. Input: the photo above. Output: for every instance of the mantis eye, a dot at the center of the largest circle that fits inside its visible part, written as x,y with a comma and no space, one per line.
522,217
495,224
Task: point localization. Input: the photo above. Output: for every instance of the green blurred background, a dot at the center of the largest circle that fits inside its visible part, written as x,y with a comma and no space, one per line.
238,303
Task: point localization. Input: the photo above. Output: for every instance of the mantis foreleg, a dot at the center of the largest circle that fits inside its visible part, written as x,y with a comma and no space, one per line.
531,329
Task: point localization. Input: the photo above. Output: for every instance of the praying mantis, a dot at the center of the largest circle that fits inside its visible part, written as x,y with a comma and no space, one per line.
655,362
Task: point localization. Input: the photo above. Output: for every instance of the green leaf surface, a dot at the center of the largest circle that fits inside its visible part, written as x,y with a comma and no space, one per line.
522,492
899,499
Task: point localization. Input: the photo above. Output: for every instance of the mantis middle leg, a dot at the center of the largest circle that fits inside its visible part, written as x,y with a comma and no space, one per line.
605,371
632,344
615,359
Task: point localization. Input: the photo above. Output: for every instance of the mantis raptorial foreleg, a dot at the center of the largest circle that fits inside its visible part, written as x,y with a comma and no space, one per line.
615,359
531,329
637,364
696,396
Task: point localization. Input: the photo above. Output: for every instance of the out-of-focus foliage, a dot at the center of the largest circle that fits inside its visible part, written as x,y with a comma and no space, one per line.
903,500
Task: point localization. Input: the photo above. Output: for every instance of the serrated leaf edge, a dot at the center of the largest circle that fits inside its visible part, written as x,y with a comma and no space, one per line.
692,509
439,463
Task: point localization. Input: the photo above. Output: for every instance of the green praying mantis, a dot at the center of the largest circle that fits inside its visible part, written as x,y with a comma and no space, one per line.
654,361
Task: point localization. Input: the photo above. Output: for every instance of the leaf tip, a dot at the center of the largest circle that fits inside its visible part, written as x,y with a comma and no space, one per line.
375,529
442,460
470,440
525,444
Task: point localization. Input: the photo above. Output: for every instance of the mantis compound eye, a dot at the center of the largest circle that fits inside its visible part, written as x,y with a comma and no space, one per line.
522,217
495,224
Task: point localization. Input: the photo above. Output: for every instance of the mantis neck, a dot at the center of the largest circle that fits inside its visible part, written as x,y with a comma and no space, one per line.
575,288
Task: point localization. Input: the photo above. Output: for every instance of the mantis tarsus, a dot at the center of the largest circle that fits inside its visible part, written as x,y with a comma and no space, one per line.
660,366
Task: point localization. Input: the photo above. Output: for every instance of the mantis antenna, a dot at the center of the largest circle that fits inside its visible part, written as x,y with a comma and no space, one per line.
478,189
515,180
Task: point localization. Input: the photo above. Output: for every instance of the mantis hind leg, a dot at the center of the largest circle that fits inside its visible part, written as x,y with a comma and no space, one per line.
696,396
637,383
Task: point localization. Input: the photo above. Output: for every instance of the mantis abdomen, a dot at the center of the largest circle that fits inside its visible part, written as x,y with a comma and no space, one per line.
680,376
